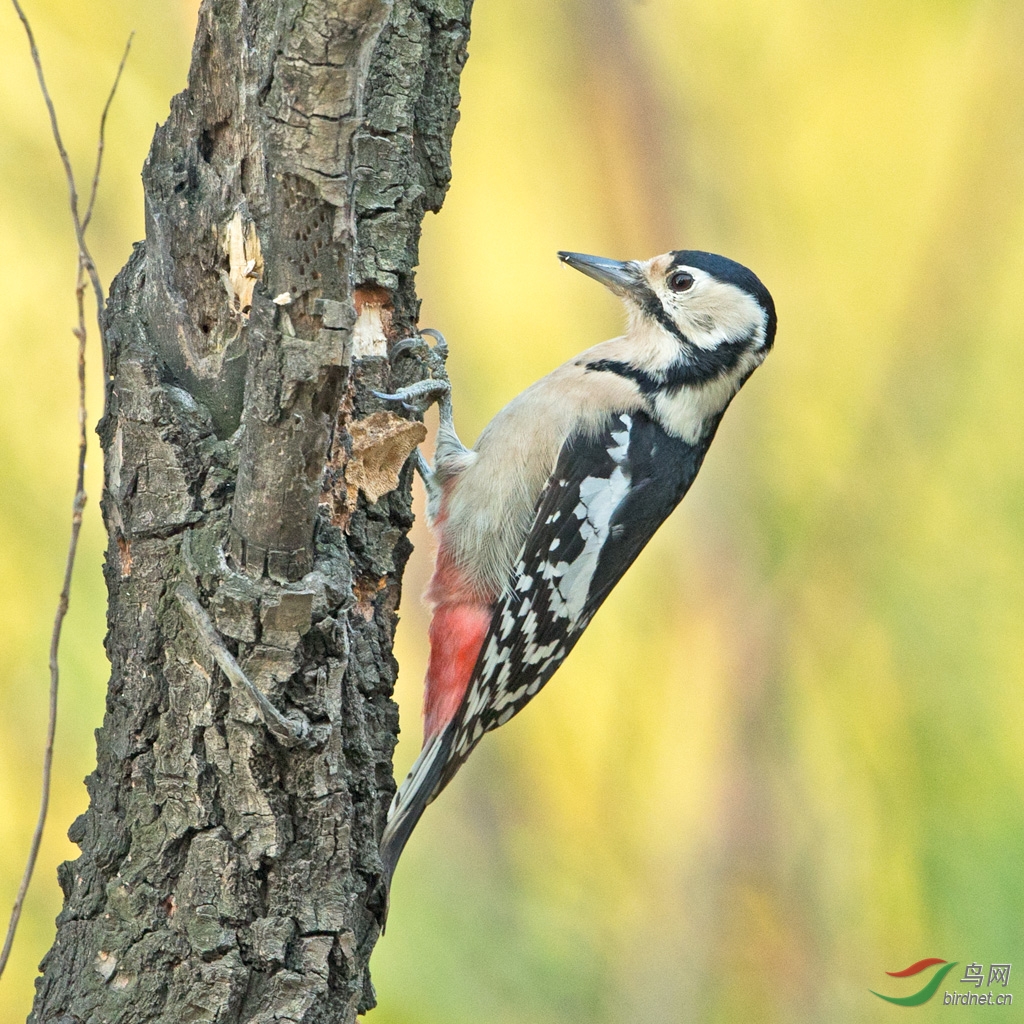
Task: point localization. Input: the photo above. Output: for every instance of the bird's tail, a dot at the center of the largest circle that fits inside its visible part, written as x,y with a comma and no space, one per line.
421,785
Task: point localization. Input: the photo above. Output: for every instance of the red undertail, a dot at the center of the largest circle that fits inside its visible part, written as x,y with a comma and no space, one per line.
457,633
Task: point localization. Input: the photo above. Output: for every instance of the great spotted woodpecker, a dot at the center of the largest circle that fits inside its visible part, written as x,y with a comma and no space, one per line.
565,486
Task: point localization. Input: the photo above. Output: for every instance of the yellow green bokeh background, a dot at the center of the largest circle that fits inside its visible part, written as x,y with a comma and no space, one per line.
787,756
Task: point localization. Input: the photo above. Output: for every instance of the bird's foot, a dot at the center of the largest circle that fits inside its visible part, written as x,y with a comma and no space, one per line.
434,356
420,396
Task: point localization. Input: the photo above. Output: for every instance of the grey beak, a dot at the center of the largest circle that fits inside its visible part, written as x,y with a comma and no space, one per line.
621,277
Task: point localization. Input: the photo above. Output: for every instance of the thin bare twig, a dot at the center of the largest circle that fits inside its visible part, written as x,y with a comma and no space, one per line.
69,175
103,134
86,274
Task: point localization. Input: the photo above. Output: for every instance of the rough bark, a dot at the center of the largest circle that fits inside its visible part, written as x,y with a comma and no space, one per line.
225,875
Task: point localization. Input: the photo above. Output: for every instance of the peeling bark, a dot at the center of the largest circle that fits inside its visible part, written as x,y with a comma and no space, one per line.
223,875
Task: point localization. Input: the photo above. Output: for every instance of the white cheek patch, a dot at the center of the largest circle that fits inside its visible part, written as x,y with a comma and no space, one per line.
713,312
733,315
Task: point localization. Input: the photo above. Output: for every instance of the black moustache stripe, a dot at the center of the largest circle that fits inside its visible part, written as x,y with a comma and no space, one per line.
651,305
698,366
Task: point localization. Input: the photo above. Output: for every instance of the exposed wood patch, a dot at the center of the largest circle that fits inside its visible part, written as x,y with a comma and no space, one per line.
245,264
373,322
124,547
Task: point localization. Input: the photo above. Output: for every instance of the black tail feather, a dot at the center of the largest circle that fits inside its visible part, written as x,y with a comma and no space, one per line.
421,785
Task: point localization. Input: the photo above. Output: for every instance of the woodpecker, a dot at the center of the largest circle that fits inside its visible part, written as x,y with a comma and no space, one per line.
537,523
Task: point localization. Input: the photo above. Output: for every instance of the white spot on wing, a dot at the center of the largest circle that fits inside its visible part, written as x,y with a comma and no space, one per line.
507,622
599,498
619,452
537,653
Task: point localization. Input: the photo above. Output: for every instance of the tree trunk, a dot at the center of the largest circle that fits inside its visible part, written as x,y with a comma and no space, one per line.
230,872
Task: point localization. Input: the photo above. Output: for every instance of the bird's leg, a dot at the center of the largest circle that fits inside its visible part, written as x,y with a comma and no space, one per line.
450,453
429,478
449,449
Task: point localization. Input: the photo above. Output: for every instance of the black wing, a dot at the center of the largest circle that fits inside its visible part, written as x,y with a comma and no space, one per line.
603,502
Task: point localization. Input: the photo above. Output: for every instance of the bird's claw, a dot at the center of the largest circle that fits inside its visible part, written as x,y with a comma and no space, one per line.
420,396
417,346
417,397
434,357
440,348
414,346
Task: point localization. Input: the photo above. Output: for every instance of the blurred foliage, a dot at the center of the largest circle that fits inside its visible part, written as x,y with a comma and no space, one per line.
786,756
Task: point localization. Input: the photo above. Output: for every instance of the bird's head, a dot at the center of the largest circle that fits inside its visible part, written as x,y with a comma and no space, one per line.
715,310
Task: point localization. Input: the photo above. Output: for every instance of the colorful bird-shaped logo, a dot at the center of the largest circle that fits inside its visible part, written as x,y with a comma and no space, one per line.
925,993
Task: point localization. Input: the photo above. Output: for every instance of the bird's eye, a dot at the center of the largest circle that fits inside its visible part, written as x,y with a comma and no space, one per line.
680,281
